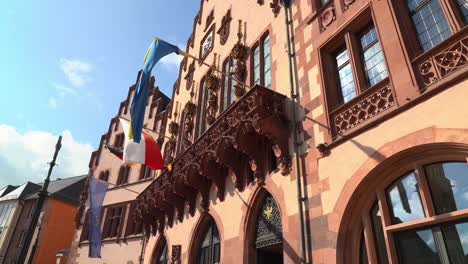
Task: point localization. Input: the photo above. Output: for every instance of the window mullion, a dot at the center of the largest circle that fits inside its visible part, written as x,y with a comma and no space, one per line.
424,191
369,240
356,64
440,245
261,47
454,19
386,221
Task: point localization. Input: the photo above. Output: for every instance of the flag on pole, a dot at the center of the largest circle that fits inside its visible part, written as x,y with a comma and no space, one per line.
117,152
155,52
146,152
97,191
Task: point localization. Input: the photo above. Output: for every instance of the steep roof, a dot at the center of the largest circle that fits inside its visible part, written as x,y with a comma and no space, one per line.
67,189
7,189
21,192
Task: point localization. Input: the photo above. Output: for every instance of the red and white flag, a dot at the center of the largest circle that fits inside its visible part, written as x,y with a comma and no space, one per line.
146,152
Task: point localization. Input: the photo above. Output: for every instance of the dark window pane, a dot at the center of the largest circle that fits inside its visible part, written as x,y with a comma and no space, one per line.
231,87
417,247
429,21
449,185
363,252
456,241
405,202
463,4
378,234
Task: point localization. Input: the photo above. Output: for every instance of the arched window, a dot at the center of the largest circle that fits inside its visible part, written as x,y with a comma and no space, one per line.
422,217
160,253
210,247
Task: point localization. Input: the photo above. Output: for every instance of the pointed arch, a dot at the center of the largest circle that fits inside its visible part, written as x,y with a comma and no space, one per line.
160,253
251,221
206,226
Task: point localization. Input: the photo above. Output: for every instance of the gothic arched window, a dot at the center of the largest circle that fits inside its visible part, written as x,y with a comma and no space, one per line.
210,247
160,253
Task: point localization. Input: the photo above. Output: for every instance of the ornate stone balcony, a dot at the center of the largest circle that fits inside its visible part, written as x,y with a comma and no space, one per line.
446,58
240,140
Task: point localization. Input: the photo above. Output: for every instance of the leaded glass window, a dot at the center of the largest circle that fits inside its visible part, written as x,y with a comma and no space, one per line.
345,75
372,57
256,65
266,61
429,21
210,247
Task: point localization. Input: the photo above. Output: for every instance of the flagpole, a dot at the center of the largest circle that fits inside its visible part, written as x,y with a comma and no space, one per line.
185,54
153,131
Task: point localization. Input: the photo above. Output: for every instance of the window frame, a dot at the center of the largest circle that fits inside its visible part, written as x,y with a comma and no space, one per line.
230,85
260,44
123,176
109,228
431,219
450,10
349,38
200,127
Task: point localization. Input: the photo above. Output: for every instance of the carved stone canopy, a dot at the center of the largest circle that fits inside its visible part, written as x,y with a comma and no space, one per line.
225,28
189,76
241,140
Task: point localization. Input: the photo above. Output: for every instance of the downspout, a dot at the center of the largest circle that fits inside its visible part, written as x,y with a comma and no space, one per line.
142,252
294,96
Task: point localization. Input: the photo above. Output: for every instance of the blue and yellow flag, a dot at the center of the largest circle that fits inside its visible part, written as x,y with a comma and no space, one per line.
156,51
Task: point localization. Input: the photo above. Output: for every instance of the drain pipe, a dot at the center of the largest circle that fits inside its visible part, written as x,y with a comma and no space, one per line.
294,96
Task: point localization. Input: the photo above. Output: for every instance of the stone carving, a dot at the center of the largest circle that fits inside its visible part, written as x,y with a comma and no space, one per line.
212,84
189,112
236,141
225,28
442,63
376,102
269,230
275,7
189,76
207,44
209,19
176,254
327,17
239,67
347,3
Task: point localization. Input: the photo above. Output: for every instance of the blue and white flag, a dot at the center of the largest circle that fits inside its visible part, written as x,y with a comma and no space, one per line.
156,51
97,191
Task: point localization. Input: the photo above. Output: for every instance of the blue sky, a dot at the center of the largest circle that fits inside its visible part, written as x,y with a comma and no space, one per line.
66,65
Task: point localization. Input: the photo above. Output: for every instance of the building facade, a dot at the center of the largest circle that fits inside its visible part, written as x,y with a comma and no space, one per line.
122,236
11,206
339,136
55,228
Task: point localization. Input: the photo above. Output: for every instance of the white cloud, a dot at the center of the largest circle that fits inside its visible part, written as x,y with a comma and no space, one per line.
64,89
76,71
172,61
52,103
24,157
